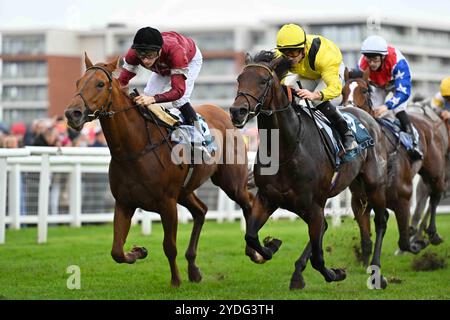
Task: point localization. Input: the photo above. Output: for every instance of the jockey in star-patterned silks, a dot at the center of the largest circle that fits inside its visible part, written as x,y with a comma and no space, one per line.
389,72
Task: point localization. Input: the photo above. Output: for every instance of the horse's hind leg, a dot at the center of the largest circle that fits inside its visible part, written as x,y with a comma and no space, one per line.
434,237
422,193
169,219
361,211
122,222
198,210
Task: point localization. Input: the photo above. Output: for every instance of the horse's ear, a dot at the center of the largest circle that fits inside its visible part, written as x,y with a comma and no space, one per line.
346,75
87,61
366,74
248,58
113,65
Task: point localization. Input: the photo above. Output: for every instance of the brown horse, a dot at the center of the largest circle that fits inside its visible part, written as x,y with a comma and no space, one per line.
356,92
141,172
423,190
303,180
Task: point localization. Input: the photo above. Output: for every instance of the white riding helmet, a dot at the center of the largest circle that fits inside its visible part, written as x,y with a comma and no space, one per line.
375,45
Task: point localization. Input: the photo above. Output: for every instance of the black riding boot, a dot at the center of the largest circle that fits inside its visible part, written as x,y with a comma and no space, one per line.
189,114
339,123
414,153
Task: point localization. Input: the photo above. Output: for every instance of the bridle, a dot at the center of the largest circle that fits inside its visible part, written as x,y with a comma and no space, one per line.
258,108
104,111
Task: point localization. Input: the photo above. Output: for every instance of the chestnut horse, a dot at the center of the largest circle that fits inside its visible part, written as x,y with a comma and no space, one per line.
141,172
303,180
401,171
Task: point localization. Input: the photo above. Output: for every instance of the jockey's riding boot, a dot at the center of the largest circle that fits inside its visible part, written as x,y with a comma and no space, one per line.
190,118
414,153
339,123
189,114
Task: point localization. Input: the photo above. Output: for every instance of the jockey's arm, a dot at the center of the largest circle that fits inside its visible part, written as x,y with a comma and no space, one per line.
330,75
130,67
402,83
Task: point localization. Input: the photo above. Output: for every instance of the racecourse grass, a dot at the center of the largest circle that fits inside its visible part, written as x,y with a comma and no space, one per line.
32,271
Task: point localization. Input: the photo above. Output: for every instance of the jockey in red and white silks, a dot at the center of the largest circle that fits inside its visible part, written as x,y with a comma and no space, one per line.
175,61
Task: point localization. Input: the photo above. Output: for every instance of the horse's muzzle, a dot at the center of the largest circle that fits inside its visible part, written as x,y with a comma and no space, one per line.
75,118
239,115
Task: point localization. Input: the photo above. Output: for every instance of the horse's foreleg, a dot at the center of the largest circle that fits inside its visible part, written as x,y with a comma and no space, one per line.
260,212
169,219
122,222
317,226
297,281
198,210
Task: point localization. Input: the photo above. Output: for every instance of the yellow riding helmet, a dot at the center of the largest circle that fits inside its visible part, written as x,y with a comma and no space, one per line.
445,87
291,36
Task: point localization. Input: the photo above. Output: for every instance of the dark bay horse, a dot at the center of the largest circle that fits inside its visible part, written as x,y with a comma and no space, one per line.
141,172
304,178
401,171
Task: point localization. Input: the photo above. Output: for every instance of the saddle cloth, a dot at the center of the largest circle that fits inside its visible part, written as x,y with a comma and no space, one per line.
185,134
394,126
333,139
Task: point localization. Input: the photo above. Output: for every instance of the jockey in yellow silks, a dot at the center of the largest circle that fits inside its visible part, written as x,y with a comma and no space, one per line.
441,101
318,64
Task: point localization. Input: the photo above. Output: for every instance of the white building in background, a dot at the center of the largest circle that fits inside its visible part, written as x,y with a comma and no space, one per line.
52,55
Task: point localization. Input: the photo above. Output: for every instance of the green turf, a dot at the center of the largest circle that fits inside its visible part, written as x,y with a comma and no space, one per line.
32,271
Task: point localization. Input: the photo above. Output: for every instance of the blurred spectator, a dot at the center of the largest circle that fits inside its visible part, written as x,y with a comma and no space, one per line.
19,130
47,138
100,140
10,141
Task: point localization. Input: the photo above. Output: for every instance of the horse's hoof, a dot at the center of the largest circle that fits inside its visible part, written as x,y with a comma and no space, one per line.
297,284
175,283
272,244
383,282
340,274
256,257
194,275
418,246
140,252
435,239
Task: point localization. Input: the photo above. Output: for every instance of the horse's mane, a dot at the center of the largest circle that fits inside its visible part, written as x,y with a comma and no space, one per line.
267,57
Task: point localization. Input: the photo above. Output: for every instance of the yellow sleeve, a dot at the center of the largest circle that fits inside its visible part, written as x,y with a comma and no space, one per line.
331,78
328,61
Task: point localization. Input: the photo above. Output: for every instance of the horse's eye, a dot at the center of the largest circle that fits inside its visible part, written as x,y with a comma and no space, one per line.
263,82
101,84
364,91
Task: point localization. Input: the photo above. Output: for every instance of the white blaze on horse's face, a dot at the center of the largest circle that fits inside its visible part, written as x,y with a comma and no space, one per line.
352,87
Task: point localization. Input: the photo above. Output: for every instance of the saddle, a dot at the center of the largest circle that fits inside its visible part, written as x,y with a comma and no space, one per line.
394,126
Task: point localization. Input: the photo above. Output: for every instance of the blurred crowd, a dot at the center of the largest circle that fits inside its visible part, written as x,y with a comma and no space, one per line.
52,132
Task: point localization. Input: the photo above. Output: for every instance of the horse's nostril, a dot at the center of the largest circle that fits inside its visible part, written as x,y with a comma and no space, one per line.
243,111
